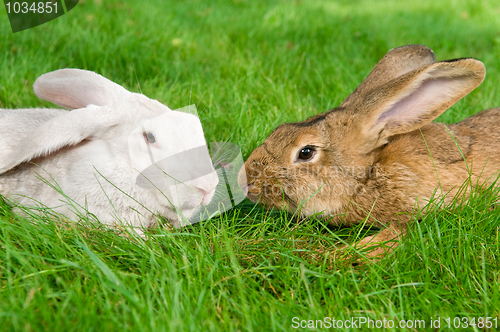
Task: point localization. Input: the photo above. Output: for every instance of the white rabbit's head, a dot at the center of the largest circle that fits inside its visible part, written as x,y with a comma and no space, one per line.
180,170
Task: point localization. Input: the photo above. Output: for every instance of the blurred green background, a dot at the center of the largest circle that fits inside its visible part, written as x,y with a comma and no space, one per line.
249,64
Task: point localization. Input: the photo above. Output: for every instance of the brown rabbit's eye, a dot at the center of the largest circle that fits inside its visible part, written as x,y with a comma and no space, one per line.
306,153
150,138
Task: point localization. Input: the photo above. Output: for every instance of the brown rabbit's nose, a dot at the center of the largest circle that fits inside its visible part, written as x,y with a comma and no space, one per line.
242,177
243,180
247,187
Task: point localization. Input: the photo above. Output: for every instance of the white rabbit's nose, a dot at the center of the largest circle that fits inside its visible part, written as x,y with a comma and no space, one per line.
205,187
206,195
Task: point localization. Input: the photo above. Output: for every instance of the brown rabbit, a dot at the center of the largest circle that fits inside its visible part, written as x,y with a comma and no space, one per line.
378,154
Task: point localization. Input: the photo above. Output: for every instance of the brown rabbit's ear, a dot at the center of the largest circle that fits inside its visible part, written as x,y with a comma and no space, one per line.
415,99
395,63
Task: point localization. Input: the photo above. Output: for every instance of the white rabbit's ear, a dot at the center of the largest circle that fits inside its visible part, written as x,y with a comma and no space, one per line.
415,99
62,131
76,88
395,63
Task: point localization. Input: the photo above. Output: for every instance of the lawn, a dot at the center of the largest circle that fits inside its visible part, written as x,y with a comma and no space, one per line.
249,65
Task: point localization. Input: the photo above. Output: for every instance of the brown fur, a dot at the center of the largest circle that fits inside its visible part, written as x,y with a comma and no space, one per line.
378,153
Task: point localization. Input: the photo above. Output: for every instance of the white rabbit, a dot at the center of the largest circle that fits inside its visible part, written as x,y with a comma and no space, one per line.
110,156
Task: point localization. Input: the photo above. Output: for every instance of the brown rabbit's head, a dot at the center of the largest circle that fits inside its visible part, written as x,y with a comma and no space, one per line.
319,164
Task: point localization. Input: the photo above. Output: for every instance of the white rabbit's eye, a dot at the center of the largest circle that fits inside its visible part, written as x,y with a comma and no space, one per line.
307,153
150,138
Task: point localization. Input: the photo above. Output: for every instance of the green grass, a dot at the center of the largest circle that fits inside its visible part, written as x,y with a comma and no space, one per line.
249,66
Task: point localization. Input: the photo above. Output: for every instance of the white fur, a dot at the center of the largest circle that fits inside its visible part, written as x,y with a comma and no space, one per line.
95,152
